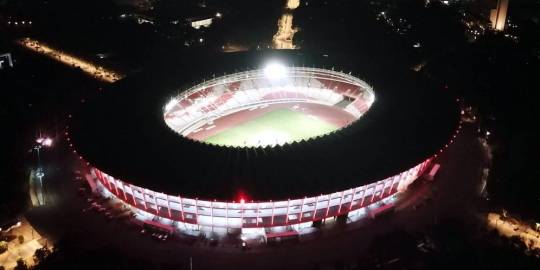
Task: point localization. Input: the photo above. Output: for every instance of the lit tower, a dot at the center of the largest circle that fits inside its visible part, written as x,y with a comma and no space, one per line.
497,15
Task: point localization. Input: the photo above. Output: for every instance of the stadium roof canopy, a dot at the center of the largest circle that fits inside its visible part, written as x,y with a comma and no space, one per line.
122,132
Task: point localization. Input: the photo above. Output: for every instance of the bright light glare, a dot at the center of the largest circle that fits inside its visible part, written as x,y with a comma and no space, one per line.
171,104
47,142
44,141
275,71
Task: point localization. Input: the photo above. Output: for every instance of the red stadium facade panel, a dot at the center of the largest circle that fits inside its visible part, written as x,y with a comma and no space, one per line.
256,214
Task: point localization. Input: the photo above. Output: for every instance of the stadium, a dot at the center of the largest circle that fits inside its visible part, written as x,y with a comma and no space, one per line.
270,150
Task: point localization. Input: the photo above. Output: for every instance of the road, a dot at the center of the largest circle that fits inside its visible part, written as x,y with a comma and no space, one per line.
509,227
95,71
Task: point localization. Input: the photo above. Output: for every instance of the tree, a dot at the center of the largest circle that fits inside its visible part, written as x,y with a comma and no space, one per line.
3,246
21,265
535,252
41,254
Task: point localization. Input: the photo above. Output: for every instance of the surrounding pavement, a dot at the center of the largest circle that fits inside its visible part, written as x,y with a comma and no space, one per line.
24,250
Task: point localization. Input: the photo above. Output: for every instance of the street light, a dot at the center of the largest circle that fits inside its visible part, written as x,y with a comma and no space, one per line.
41,142
47,142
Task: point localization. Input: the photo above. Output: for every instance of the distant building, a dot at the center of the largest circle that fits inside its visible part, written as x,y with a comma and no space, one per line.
197,23
139,18
497,15
5,61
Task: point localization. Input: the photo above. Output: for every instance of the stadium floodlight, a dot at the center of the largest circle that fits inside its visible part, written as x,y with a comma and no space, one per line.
275,71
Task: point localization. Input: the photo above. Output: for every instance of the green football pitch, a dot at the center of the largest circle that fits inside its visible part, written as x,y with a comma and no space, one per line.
275,127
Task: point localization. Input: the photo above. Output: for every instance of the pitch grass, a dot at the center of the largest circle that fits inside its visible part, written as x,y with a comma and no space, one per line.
275,127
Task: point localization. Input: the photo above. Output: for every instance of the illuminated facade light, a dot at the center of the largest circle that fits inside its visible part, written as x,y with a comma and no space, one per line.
216,214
